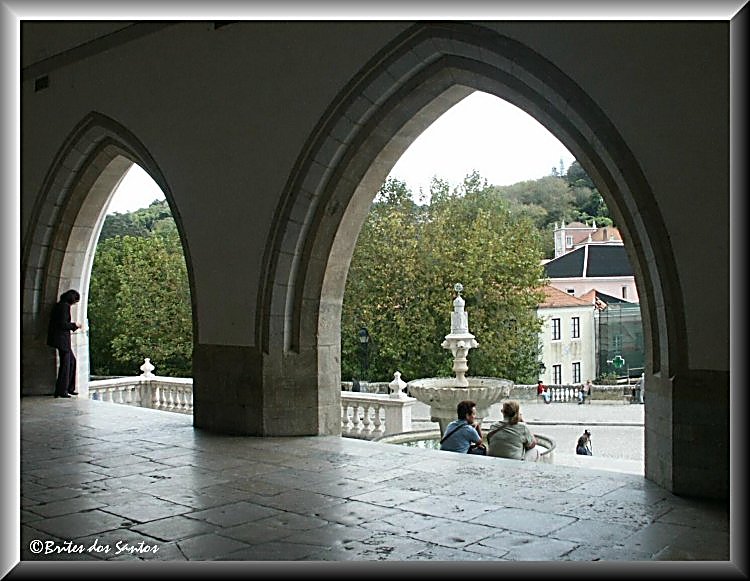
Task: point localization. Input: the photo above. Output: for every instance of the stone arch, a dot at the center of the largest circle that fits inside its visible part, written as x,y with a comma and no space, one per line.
67,217
395,97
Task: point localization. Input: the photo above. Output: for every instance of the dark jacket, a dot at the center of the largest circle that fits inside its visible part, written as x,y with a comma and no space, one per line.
60,326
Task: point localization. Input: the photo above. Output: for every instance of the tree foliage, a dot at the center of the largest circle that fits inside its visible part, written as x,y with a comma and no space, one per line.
139,298
141,223
405,264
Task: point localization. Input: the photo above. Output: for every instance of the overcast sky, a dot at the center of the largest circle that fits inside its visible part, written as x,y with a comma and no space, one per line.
482,133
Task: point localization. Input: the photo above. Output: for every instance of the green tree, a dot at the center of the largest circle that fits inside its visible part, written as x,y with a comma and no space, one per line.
104,323
139,300
385,262
405,264
153,304
142,222
588,202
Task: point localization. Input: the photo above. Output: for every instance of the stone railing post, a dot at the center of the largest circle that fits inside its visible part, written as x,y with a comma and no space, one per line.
396,386
147,368
398,417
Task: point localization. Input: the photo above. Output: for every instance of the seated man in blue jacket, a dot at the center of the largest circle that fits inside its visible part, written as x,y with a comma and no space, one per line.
461,433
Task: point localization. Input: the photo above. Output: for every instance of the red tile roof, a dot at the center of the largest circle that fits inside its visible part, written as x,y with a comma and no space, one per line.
554,297
589,296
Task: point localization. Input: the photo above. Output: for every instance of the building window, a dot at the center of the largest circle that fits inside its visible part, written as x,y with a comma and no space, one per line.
576,331
624,292
617,343
570,291
577,372
556,330
557,374
569,241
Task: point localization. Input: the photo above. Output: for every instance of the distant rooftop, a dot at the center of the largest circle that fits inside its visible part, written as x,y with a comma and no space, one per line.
590,261
554,297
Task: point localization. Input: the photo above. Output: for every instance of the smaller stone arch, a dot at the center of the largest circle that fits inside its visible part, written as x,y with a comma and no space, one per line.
67,217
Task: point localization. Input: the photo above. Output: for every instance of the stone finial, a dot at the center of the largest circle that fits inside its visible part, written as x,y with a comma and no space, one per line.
397,385
459,317
147,368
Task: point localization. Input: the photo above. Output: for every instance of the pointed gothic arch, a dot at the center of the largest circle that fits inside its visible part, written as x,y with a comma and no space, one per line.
395,97
67,216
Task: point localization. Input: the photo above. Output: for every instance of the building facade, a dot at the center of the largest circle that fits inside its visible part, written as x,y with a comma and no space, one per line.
567,341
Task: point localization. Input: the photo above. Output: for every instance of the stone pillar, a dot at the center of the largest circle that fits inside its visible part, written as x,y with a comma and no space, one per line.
687,436
228,389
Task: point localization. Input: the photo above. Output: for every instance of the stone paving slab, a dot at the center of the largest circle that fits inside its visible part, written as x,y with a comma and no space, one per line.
228,498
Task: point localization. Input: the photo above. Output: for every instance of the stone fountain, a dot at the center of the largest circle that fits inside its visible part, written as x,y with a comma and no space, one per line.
442,394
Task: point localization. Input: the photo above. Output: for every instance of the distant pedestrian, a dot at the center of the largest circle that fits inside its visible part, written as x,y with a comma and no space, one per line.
547,395
583,446
641,387
587,389
539,389
58,336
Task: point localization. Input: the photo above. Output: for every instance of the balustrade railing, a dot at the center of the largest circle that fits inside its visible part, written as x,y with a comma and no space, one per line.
372,415
564,393
363,415
173,394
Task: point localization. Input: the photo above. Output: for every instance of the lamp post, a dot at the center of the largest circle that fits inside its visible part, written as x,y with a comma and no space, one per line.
364,343
542,368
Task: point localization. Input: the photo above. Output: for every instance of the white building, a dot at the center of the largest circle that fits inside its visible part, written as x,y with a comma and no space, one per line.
567,339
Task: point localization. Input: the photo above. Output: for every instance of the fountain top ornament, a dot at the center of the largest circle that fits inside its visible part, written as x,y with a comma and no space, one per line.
460,341
459,317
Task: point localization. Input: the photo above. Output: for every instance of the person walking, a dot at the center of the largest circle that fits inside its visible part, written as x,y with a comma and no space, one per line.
58,336
587,389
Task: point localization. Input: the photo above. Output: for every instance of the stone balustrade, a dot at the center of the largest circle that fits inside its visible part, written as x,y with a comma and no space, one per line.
173,394
369,415
569,393
363,415
373,415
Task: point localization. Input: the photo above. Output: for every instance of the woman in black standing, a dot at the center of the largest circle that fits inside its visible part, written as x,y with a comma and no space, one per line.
58,336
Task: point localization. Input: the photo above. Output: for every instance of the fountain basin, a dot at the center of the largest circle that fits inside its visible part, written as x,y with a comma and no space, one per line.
430,440
442,395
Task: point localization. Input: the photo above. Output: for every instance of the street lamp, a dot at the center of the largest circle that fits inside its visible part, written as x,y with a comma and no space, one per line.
542,368
364,342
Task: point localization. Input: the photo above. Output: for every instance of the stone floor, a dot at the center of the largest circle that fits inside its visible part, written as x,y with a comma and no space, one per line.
101,481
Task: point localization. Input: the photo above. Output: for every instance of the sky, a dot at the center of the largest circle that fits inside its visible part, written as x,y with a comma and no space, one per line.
482,132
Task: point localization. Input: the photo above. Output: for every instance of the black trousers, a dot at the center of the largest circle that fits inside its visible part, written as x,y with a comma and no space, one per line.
66,374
